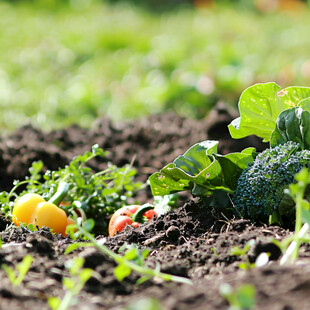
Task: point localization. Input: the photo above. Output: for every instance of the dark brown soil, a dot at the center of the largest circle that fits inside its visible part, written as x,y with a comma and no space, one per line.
192,241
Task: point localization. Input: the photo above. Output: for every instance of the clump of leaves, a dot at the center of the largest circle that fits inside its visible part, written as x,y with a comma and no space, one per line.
92,195
278,116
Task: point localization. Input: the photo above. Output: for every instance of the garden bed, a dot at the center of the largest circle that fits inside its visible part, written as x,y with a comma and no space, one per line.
192,241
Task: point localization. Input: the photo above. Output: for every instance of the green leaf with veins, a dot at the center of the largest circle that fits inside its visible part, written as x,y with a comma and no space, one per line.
260,105
201,171
292,125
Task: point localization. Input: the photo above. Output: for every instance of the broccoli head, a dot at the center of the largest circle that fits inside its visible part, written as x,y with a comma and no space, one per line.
260,188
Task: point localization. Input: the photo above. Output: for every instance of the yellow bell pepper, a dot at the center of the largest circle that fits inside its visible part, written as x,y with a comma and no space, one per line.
33,209
25,207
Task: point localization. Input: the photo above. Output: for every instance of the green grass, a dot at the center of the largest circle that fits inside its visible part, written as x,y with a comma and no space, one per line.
74,63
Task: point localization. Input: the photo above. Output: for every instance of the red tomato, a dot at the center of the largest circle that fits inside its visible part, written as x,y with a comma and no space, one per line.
150,214
121,218
135,224
119,224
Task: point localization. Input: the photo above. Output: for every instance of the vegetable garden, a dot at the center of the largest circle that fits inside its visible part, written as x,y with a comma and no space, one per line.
220,234
197,199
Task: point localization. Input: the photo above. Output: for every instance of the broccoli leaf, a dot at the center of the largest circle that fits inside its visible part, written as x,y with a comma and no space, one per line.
260,105
292,125
201,171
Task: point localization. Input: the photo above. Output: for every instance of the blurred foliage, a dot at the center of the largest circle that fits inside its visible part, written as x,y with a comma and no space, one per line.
64,62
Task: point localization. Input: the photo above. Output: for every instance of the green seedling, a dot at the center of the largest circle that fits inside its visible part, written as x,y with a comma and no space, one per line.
17,276
243,254
242,298
132,254
73,284
76,245
298,192
133,260
213,250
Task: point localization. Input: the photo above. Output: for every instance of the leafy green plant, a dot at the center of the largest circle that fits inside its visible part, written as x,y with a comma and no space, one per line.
201,170
241,298
280,116
92,194
261,104
16,275
73,284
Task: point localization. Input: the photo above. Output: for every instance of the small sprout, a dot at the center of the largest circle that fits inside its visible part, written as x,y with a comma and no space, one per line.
214,252
77,245
22,269
133,260
73,284
134,255
242,298
243,254
298,191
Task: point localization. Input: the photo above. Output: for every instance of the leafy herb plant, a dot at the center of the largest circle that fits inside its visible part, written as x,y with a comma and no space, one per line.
91,194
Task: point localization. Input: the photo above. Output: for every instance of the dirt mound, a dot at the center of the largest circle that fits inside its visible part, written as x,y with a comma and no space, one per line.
151,142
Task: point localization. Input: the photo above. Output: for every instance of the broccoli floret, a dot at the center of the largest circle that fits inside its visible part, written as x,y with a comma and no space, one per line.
260,187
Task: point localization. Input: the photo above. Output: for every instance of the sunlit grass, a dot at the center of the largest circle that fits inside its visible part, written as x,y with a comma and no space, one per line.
72,64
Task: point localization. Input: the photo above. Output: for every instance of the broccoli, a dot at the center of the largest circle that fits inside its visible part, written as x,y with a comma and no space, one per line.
259,193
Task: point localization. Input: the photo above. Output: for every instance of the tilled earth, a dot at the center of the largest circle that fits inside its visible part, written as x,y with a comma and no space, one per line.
192,241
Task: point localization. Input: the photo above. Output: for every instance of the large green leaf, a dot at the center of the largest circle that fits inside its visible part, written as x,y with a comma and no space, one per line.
260,105
201,171
292,125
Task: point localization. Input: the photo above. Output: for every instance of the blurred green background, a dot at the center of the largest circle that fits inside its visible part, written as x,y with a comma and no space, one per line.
65,62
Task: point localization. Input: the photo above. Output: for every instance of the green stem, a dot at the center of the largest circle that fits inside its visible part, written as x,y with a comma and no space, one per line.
138,216
66,302
103,172
298,223
60,194
131,265
291,254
